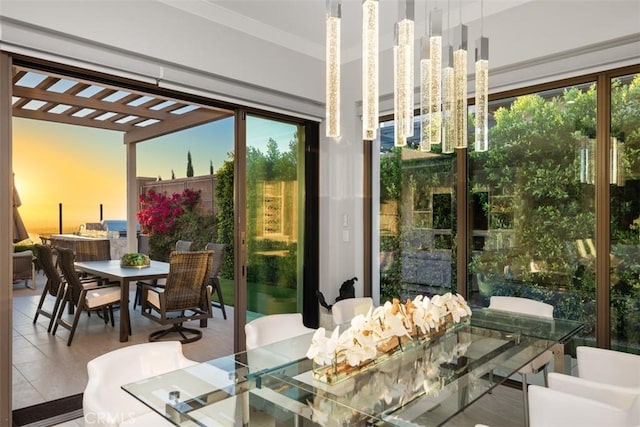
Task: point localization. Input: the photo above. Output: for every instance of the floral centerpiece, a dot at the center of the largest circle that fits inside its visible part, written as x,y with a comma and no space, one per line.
383,331
135,260
425,369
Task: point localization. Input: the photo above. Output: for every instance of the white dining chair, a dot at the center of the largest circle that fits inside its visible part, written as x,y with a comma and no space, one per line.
270,329
273,328
553,408
345,310
540,363
106,404
609,366
621,397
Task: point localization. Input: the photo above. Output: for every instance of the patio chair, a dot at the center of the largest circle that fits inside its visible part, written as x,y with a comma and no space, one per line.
185,296
24,268
181,246
540,363
53,285
85,296
93,250
218,258
105,403
184,245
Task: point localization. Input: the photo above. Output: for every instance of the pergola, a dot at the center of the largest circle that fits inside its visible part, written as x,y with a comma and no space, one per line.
138,115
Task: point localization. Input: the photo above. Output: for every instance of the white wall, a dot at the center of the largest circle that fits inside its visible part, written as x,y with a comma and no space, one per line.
537,41
150,40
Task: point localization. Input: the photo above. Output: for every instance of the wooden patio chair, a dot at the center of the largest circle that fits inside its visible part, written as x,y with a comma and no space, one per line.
85,296
53,285
185,297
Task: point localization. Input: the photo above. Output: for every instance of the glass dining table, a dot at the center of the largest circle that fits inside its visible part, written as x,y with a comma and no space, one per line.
425,385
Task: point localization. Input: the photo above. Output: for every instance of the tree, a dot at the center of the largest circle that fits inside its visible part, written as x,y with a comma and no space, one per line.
226,215
210,167
189,165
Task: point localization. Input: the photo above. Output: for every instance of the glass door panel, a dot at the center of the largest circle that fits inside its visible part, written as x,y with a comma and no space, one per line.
417,218
275,217
625,214
533,203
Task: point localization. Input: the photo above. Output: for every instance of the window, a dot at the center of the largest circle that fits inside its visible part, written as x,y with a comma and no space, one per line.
534,210
416,218
624,181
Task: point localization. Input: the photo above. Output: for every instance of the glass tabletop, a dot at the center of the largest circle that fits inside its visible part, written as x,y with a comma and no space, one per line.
425,384
558,330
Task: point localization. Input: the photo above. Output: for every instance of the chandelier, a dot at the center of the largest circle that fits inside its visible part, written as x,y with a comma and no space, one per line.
442,77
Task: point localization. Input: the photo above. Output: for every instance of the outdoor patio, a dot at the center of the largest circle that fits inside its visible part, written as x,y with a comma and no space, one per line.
45,368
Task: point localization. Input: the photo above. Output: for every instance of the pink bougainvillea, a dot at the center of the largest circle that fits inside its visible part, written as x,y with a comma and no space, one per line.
158,211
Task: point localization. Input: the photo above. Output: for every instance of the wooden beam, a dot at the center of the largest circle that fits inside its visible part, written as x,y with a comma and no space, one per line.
180,122
96,104
70,120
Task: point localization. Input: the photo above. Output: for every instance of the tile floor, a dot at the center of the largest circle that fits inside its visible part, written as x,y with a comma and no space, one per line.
45,368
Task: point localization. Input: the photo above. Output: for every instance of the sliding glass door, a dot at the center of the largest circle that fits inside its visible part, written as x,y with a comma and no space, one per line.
275,216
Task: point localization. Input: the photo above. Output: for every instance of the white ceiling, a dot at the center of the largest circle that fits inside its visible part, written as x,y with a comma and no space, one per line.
299,24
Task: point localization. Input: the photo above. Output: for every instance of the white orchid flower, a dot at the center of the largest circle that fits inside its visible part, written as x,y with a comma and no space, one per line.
464,304
394,326
323,349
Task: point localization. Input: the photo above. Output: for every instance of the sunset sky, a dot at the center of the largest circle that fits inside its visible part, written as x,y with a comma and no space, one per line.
83,167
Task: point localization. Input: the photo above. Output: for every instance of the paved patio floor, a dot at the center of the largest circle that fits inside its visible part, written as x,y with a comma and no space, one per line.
45,368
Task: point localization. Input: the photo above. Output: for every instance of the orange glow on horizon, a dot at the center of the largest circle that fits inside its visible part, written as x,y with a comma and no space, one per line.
78,167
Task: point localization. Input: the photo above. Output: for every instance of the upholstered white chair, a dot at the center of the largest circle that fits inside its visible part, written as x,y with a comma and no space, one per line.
609,366
621,397
540,363
553,408
104,403
270,329
273,328
345,310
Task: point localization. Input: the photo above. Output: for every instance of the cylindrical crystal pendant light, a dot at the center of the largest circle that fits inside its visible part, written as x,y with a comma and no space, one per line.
447,89
482,95
425,96
399,95
616,172
482,88
403,66
369,69
435,77
333,68
460,89
587,160
448,134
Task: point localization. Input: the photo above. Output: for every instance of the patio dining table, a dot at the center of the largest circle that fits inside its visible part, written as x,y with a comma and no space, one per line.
113,271
424,385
